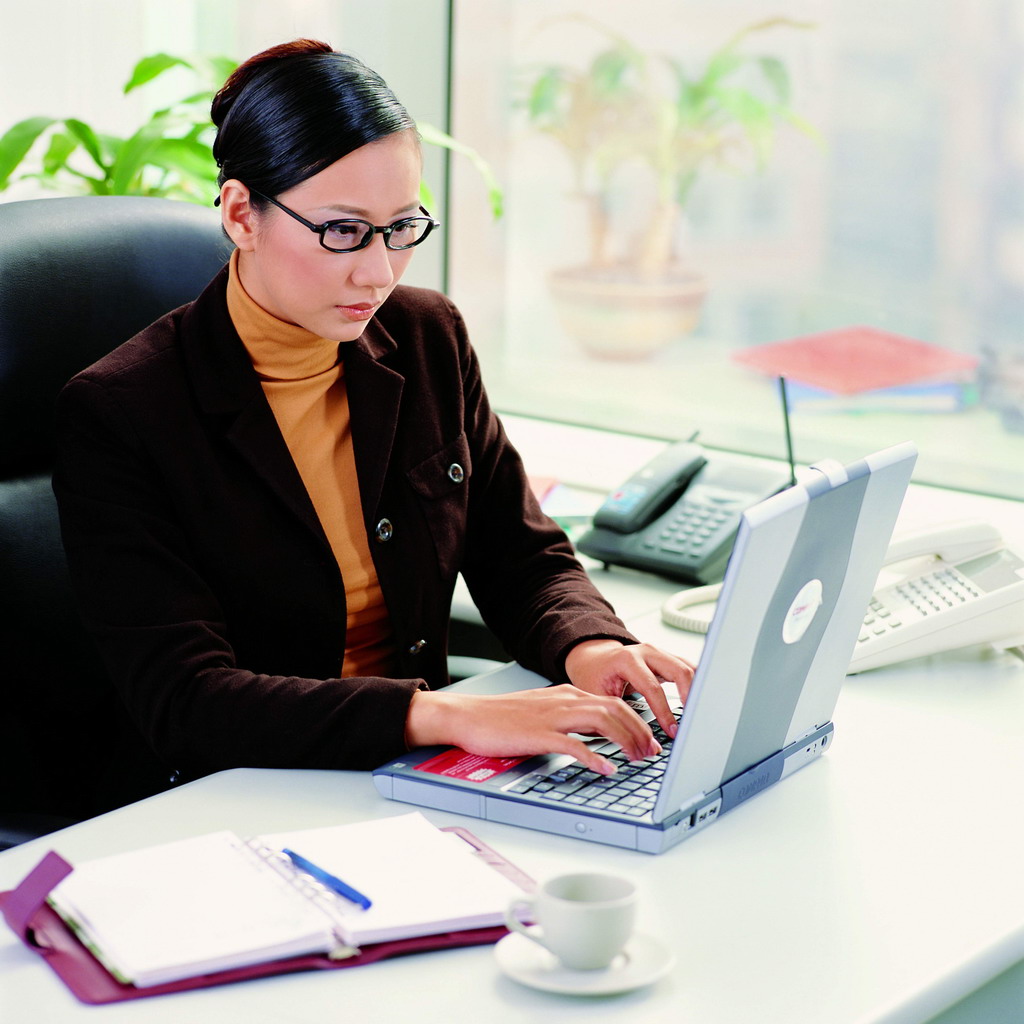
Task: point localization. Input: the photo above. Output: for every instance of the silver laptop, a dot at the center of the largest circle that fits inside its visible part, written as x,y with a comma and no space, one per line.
792,604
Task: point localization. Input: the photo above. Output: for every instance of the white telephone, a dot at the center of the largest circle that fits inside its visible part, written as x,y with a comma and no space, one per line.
940,588
955,585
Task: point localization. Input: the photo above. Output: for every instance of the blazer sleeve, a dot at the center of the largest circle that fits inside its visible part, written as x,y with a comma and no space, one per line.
520,567
161,631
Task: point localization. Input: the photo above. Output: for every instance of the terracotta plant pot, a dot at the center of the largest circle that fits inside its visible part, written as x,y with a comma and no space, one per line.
617,313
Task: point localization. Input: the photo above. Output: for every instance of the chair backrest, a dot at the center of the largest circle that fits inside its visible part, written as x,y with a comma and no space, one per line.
78,276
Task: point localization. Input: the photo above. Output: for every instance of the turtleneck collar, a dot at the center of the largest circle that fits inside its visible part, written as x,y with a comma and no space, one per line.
279,351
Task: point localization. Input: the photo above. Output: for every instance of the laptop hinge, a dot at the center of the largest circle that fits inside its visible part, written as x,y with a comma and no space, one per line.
688,806
752,781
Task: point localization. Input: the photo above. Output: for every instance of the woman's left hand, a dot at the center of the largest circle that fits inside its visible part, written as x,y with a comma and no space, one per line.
611,668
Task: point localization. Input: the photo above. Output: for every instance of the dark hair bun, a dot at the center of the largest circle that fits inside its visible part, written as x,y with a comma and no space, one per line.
242,75
293,110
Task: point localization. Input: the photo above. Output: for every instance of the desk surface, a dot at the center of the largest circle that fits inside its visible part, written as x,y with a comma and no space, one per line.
881,883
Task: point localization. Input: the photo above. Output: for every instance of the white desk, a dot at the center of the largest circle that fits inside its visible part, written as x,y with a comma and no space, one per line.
880,884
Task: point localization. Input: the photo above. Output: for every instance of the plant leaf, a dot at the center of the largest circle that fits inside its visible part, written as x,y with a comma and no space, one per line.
802,125
88,138
215,69
110,146
776,74
95,185
427,196
62,145
202,98
132,156
764,25
754,116
723,64
436,137
542,102
152,66
16,142
608,72
186,157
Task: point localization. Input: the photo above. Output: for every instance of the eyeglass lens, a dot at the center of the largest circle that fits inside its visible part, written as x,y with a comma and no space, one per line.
343,235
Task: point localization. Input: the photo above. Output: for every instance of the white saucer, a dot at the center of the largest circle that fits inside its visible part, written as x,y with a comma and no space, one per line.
643,961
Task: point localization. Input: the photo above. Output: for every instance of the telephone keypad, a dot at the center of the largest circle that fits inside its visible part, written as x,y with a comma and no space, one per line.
692,528
916,599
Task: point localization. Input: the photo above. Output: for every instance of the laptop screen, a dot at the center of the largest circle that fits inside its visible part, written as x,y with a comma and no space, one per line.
794,596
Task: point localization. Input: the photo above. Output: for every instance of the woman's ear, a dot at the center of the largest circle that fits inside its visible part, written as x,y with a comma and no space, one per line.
237,214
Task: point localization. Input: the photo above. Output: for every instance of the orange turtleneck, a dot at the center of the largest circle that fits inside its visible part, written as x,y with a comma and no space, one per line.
303,379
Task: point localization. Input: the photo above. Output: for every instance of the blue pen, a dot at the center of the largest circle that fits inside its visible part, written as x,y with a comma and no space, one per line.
328,879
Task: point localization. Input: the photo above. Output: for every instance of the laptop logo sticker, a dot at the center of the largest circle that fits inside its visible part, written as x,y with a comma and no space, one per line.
802,611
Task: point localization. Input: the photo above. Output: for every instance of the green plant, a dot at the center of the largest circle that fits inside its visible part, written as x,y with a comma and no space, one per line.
628,106
436,137
169,155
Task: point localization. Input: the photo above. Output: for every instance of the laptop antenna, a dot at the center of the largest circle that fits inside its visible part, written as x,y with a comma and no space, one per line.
789,435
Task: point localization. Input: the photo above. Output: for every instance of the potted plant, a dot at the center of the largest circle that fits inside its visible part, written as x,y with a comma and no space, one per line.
629,109
169,155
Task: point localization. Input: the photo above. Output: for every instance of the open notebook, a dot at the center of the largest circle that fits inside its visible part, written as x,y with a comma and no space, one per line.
214,902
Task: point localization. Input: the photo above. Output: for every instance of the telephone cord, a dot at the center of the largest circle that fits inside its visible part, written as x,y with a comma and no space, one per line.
672,610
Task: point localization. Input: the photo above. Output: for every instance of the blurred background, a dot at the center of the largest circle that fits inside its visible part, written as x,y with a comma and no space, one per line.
684,186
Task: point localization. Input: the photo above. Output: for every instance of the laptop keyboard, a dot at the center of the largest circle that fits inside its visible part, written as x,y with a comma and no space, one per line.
633,788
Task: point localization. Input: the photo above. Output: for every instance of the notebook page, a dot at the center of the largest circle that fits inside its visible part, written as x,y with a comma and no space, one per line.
188,907
421,881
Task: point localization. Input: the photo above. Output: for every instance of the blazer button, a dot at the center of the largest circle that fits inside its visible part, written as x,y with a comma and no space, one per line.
417,647
385,531
456,473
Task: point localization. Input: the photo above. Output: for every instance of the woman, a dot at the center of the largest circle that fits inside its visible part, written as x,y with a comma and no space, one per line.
266,496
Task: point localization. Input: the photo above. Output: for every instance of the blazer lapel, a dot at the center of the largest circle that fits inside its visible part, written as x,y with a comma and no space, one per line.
228,390
374,397
255,435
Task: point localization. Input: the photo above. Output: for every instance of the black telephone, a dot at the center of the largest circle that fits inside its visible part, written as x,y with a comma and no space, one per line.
678,515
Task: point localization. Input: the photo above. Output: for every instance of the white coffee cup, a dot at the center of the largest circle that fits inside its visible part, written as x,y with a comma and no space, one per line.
584,919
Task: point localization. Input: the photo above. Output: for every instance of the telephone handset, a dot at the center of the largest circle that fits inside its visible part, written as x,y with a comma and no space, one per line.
940,588
649,491
678,515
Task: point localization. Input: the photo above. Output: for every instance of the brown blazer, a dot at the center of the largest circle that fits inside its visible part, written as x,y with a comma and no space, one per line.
206,578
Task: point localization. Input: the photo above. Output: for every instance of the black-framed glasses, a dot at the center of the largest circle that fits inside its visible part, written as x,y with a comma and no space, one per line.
351,234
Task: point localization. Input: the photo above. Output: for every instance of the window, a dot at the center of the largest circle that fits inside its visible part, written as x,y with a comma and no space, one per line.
904,212
99,43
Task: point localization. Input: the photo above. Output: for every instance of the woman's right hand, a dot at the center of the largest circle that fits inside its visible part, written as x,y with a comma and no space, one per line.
529,722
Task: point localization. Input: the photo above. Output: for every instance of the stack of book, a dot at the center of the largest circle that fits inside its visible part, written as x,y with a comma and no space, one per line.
864,369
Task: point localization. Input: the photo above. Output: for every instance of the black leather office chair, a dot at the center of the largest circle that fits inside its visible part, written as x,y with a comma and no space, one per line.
77,277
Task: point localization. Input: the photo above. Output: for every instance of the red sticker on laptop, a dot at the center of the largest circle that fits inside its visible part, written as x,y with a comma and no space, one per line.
457,764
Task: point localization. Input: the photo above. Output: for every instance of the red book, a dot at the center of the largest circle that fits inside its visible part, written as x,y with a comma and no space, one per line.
849,360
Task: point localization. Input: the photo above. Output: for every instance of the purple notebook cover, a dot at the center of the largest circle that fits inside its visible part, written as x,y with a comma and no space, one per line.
41,929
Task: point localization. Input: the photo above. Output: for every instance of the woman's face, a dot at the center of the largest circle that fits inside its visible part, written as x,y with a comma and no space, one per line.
284,268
